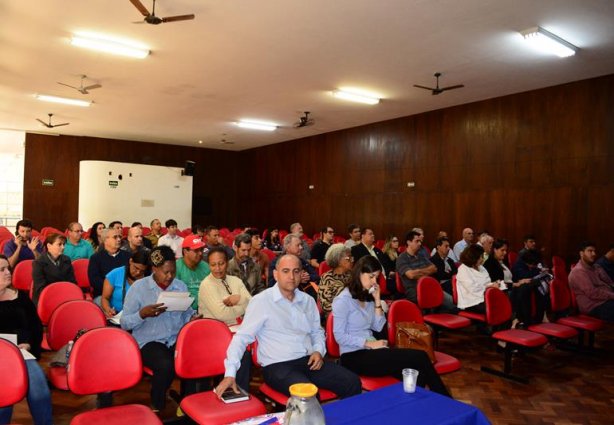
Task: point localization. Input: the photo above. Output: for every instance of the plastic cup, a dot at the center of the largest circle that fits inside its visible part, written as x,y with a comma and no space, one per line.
410,377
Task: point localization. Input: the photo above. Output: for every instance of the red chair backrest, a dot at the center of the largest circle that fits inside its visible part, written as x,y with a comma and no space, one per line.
102,360
400,287
55,294
2,243
80,267
338,239
401,311
498,307
560,295
282,235
454,290
201,348
269,253
512,256
430,294
22,275
331,344
383,287
380,243
146,230
14,374
324,267
558,267
70,317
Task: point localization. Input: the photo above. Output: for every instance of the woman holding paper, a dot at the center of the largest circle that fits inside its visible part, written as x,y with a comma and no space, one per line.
153,325
221,296
357,312
118,281
18,318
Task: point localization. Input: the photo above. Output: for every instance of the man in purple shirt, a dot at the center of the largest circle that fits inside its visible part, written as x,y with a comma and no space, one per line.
24,246
592,286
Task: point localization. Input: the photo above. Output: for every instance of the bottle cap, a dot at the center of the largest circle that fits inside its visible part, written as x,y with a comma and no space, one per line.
303,390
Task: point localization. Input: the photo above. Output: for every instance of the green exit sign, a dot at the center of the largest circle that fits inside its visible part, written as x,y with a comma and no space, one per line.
48,182
113,183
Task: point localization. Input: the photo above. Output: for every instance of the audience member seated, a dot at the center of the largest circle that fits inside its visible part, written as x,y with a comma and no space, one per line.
357,314
296,229
117,225
221,296
472,280
51,266
389,262
76,247
191,269
172,239
156,232
411,266
213,240
145,242
95,237
107,258
531,292
134,241
529,243
592,286
154,328
291,345
23,246
367,247
423,250
319,247
354,232
243,266
444,234
339,259
271,240
446,268
607,262
259,257
18,317
198,230
467,239
293,245
119,281
485,240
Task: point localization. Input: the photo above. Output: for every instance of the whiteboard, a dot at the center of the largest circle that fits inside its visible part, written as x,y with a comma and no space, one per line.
127,192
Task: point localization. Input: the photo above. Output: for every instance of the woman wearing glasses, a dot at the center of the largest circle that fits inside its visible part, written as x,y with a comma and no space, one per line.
339,258
221,296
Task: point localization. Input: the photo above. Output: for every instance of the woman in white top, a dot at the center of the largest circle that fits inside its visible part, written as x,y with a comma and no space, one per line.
221,296
472,280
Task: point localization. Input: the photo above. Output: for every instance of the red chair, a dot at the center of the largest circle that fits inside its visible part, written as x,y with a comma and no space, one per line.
66,320
406,311
282,235
369,383
55,294
430,297
498,312
199,353
383,287
275,397
478,317
559,269
400,287
14,374
22,275
379,244
83,280
104,360
269,253
338,239
563,310
324,267
512,256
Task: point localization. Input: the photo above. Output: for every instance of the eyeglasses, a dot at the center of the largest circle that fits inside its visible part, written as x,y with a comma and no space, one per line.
77,231
117,237
349,258
394,240
330,231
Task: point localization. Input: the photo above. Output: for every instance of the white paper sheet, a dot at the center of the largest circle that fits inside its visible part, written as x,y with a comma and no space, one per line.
175,301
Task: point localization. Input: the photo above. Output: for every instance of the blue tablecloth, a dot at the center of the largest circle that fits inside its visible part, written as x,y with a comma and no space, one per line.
391,405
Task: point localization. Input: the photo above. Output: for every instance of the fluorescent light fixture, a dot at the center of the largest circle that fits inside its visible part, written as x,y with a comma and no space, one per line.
107,44
63,100
257,125
548,42
356,96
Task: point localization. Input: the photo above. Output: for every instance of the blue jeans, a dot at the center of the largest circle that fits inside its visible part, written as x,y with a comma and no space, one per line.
39,397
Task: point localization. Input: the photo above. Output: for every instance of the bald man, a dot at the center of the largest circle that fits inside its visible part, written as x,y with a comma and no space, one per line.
467,239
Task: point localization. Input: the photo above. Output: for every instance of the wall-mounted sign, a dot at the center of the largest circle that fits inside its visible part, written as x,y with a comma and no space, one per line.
48,182
113,183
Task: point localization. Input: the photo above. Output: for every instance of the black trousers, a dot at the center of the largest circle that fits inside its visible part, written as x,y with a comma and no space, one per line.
391,362
522,303
331,376
161,360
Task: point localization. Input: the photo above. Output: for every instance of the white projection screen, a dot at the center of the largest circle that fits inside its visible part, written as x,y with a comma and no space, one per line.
133,192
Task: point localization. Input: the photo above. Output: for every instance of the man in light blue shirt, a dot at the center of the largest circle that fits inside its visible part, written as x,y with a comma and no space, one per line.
76,247
154,328
467,239
291,343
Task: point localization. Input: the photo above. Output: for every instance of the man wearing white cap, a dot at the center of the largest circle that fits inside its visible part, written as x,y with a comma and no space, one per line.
191,269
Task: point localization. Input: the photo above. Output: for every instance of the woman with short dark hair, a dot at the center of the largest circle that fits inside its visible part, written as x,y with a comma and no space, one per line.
357,314
472,280
51,266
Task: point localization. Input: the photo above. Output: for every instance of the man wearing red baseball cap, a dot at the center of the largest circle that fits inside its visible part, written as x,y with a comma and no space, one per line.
191,269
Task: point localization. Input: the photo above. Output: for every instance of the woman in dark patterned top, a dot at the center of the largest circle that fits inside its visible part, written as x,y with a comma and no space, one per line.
339,258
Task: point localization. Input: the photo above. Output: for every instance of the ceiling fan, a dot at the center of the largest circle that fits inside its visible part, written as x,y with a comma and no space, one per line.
49,125
82,89
438,90
152,19
304,121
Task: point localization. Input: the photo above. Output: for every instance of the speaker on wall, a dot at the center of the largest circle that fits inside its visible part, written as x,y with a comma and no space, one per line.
188,169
